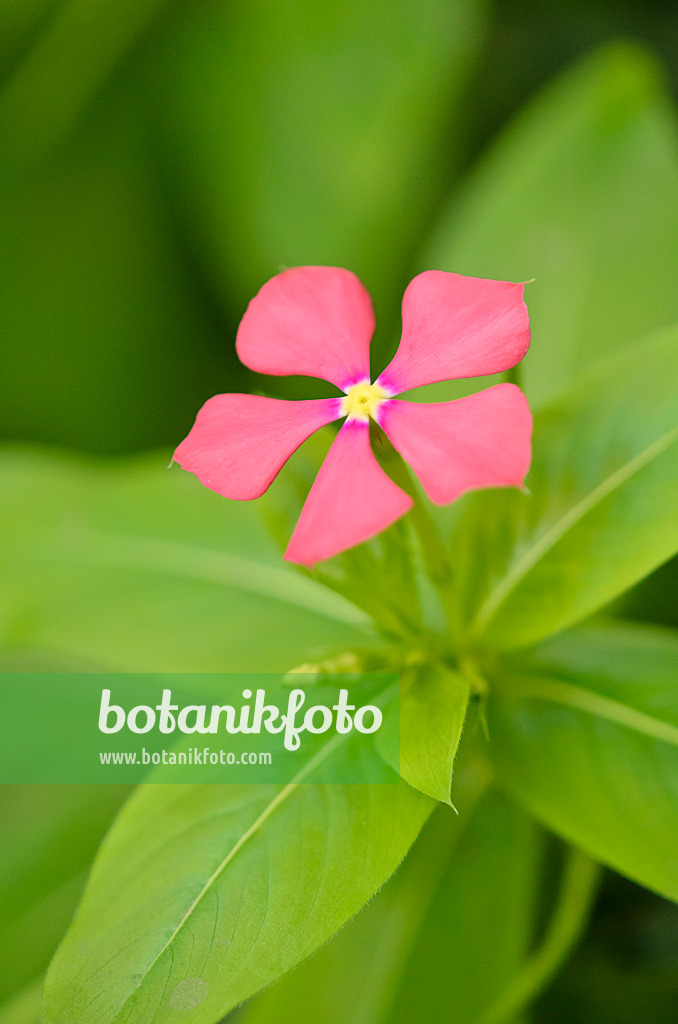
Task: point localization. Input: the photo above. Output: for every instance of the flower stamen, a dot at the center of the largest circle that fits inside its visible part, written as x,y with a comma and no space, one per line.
362,401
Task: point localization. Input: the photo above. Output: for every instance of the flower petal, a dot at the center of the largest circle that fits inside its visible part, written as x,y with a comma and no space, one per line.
455,326
239,443
453,447
351,500
314,321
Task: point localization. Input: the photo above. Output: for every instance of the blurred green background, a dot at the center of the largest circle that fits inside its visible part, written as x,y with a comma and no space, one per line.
160,159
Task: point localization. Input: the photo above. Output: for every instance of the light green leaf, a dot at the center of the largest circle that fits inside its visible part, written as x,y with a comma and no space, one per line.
49,836
24,1008
580,193
202,895
429,721
310,133
585,732
137,567
601,512
442,940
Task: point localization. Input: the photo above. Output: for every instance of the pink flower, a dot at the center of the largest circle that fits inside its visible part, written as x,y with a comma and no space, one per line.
319,321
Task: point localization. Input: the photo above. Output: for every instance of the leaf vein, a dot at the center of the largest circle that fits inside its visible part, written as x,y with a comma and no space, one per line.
514,577
256,825
599,706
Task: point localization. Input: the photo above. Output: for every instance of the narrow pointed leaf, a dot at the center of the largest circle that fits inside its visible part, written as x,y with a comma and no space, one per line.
429,721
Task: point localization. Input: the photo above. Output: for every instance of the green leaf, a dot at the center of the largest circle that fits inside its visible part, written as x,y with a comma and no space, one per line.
601,512
443,939
580,194
136,567
50,834
202,895
302,135
585,732
429,721
24,1008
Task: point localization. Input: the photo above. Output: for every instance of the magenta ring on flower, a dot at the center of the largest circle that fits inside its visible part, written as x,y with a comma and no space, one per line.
319,322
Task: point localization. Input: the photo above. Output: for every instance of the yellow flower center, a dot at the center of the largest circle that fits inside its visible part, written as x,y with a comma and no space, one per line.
362,401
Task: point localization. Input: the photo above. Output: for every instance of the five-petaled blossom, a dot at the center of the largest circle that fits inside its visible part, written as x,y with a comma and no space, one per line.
319,321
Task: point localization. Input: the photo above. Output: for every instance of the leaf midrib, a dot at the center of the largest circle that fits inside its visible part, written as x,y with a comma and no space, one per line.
578,697
326,751
256,825
531,558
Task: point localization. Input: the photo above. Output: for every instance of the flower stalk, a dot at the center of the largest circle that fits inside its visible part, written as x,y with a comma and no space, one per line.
434,551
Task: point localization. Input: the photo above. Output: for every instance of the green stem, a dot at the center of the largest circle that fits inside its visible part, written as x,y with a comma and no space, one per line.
578,890
438,565
434,550
435,553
